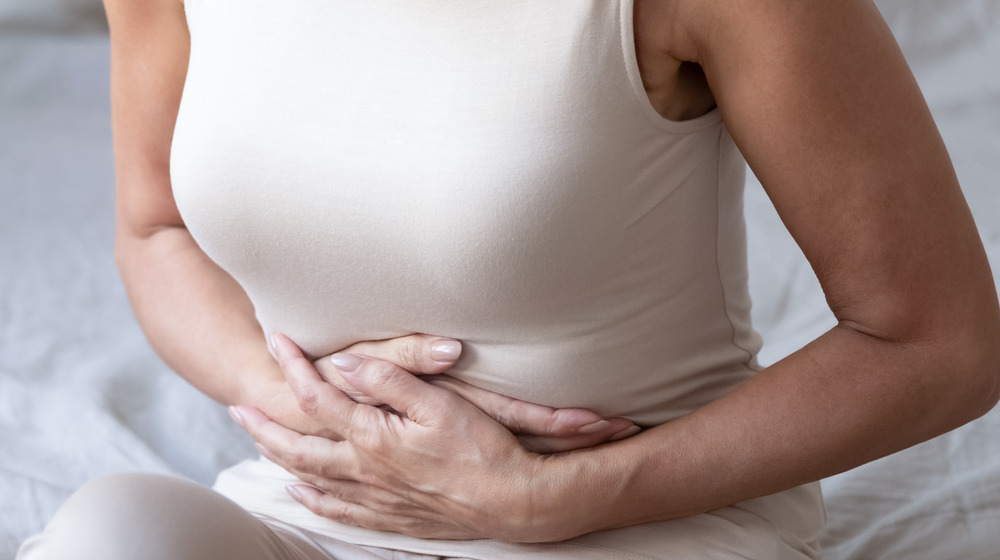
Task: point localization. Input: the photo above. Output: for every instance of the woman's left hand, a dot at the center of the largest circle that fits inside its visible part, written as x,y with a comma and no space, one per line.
441,468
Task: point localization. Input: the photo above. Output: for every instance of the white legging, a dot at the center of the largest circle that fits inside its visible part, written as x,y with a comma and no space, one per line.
155,517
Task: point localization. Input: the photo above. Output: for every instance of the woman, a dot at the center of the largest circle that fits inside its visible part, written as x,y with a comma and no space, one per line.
550,184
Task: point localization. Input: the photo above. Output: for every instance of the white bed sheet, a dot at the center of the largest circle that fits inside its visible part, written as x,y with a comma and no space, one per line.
81,394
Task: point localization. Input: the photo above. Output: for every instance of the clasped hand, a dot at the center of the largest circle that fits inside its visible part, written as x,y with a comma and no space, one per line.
435,465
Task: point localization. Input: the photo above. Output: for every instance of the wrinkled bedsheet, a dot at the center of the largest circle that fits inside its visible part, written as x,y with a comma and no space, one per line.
82,395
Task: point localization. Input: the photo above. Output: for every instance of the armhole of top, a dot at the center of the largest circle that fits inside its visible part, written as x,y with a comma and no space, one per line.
627,34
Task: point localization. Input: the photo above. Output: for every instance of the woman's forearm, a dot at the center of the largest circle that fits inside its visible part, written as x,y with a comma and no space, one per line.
844,400
201,322
196,317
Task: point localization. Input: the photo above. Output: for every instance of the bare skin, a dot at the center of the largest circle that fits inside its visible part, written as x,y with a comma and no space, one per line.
676,88
820,102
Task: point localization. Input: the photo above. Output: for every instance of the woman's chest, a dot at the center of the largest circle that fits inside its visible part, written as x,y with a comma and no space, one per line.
364,180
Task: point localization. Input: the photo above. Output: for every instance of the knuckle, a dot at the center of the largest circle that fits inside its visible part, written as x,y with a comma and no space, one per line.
409,351
336,491
298,455
333,471
310,399
380,373
329,508
344,387
505,415
340,511
325,474
371,444
369,478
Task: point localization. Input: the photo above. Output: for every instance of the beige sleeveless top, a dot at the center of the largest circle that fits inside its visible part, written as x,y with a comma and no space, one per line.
489,171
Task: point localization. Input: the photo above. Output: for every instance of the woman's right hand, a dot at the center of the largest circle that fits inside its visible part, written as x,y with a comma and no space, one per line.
540,429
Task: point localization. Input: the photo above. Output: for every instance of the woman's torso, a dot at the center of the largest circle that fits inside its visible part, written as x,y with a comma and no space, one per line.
488,171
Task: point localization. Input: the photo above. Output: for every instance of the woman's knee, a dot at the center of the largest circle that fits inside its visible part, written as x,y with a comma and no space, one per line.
149,516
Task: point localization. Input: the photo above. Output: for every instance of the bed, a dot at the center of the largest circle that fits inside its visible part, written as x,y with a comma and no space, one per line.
82,395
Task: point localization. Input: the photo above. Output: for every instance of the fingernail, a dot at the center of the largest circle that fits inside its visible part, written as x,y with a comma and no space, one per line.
236,415
346,362
446,350
276,343
593,427
630,431
295,493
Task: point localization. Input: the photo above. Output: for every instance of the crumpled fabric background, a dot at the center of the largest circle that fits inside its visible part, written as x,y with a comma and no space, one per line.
82,395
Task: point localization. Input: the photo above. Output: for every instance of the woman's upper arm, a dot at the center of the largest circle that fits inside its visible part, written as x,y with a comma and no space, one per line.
821,102
149,56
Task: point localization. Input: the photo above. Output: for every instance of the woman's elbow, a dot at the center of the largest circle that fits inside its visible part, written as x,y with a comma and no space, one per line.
975,357
989,373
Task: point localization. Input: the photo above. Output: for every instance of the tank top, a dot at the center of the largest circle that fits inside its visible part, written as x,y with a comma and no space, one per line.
488,171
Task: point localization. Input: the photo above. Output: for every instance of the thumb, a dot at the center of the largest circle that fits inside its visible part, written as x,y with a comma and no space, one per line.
416,353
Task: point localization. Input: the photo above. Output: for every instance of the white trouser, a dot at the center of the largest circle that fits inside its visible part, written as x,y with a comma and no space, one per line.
155,517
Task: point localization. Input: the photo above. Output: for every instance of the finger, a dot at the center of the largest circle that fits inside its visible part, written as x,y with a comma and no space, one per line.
319,481
281,406
330,374
427,525
316,398
421,402
369,496
523,417
416,353
293,451
548,444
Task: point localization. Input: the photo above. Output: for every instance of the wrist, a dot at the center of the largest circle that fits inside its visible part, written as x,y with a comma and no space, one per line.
265,394
590,490
557,499
267,390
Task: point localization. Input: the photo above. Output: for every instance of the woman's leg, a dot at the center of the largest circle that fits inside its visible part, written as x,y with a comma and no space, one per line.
156,517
